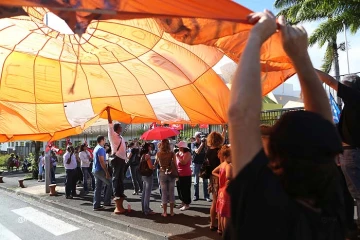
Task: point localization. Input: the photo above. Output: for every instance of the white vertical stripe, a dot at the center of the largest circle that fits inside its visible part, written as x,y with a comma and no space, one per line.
166,107
6,234
46,222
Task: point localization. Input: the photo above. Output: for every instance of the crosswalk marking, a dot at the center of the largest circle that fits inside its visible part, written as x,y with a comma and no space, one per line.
6,234
46,222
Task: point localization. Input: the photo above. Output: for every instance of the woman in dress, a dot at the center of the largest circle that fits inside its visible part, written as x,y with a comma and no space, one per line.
224,173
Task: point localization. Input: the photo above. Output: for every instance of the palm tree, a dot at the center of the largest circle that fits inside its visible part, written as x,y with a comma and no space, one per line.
335,14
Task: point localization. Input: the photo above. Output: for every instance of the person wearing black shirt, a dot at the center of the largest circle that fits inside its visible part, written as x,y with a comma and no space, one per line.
349,129
199,149
302,201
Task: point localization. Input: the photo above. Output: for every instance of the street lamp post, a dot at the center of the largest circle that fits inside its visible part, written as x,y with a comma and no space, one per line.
346,48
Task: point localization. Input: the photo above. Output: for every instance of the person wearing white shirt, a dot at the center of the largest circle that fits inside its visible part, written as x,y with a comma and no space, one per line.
70,165
118,148
85,159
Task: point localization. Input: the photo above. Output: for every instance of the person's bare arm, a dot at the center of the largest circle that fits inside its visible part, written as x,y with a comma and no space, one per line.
224,131
228,172
216,171
185,159
109,115
148,161
245,97
199,149
174,161
295,43
327,79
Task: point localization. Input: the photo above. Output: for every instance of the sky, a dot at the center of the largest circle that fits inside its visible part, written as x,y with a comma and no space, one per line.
315,52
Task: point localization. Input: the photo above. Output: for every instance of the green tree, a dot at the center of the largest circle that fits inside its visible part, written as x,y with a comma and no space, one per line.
334,14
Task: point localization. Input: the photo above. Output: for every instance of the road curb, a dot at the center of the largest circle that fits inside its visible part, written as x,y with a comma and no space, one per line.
139,231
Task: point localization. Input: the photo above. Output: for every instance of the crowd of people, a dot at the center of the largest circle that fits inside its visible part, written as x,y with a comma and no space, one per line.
174,166
273,182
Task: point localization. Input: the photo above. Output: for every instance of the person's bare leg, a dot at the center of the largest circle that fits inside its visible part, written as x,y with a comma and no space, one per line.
213,212
219,222
119,209
172,209
165,210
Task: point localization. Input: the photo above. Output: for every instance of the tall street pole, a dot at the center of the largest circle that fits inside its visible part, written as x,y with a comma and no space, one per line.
347,48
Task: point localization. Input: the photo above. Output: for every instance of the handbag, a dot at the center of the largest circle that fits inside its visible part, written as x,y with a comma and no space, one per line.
144,168
205,170
174,172
113,156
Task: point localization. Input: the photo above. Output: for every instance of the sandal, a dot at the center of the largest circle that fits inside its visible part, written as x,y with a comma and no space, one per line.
213,228
164,214
219,232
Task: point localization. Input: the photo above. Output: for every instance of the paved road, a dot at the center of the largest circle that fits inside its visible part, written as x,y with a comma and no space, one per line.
22,218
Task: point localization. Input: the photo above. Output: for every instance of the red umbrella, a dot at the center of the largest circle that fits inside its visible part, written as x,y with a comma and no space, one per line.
159,133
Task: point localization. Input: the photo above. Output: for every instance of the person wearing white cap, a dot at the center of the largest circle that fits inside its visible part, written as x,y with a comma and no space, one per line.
183,159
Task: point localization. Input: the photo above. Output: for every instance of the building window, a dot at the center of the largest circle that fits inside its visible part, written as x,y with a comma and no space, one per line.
17,143
22,144
63,144
56,143
77,143
12,144
41,144
93,143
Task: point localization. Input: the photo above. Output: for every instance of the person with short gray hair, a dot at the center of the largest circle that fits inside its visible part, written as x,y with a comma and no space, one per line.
349,128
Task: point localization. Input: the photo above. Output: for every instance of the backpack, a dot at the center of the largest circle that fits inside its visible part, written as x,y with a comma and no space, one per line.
144,169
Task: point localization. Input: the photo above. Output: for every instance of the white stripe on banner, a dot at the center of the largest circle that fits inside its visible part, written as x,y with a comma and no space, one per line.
6,234
46,222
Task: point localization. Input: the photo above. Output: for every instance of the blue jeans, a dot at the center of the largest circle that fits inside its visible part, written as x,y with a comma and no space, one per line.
53,170
350,165
197,167
100,178
158,178
146,193
87,172
168,188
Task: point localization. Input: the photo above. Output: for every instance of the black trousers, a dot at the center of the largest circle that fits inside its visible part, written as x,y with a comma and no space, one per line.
184,189
79,174
70,182
118,168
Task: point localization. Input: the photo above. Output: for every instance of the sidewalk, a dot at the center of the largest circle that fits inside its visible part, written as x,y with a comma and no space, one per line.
191,224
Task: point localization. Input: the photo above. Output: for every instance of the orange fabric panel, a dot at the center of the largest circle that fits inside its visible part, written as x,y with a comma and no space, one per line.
137,106
134,52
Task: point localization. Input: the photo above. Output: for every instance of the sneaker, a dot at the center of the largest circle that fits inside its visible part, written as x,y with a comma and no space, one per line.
185,207
99,208
195,199
135,193
208,200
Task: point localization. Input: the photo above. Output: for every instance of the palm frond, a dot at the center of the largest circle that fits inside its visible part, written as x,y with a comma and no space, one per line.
328,58
326,31
286,3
